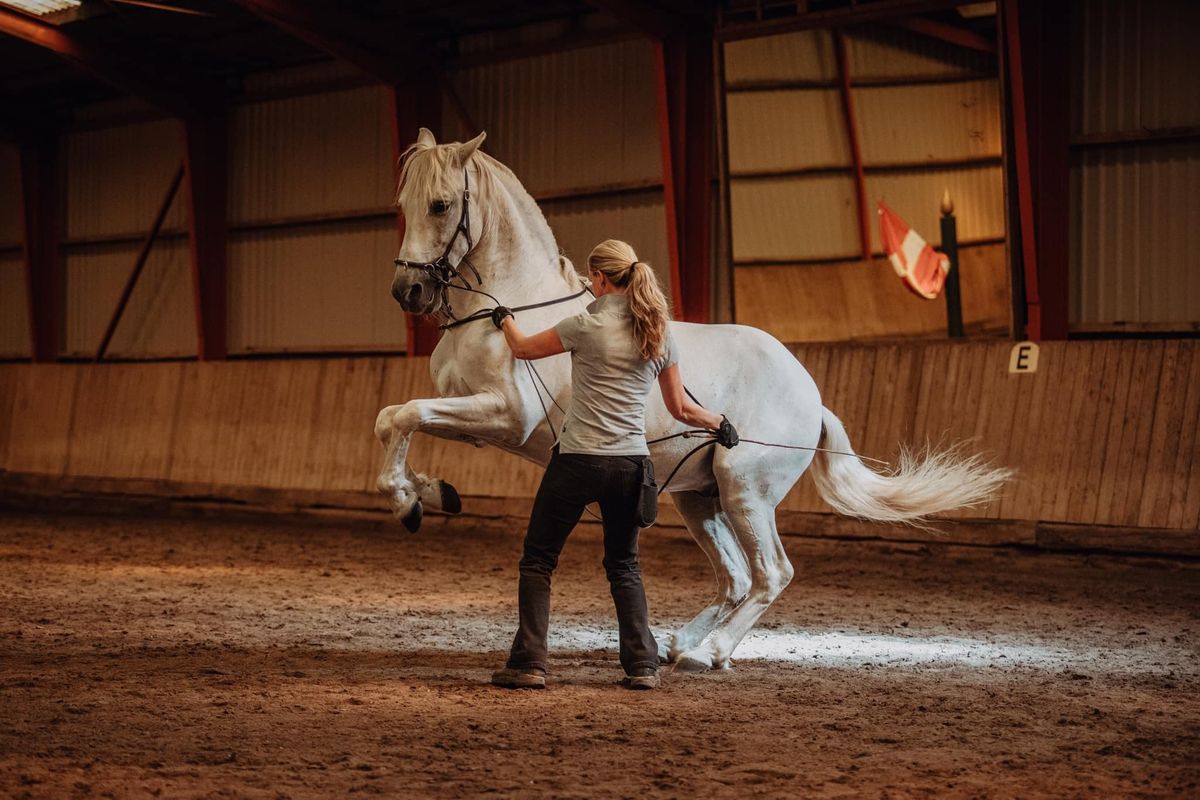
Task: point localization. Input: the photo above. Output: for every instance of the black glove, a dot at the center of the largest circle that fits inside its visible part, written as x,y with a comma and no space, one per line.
498,315
727,435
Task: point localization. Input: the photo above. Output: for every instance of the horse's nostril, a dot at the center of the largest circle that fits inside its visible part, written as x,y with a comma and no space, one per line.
413,295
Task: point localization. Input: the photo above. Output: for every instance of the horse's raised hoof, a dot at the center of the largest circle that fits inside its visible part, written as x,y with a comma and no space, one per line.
412,520
693,662
451,502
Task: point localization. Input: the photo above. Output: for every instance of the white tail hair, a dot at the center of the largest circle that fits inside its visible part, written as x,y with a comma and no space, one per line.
921,485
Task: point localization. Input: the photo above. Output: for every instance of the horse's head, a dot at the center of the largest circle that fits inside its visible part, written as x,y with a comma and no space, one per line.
441,219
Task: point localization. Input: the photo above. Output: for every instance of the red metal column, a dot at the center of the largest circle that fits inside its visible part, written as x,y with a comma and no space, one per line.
204,155
687,114
416,105
860,181
40,228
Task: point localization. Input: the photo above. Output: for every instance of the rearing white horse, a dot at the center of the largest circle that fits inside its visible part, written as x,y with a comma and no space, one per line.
470,208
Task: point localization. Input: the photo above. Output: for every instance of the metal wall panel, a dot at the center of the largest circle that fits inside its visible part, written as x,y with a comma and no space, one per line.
314,288
117,178
159,320
14,308
315,154
977,192
800,56
785,130
579,225
1135,65
879,52
1135,255
582,118
302,78
794,219
927,122
10,196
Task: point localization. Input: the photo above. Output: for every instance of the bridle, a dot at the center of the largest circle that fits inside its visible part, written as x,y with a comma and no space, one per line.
444,274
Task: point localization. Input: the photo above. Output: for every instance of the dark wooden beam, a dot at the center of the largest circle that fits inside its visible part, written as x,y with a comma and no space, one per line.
175,95
415,105
687,114
852,14
644,17
205,160
951,34
40,204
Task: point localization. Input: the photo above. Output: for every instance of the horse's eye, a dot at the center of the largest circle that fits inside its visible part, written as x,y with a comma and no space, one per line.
438,207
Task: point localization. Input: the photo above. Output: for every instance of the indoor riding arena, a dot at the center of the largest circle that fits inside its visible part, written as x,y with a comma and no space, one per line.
266,466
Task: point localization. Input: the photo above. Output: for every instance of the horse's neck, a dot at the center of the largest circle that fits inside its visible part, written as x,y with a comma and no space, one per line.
518,258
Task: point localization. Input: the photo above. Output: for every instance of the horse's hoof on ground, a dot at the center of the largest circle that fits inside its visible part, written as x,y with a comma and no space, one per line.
664,650
451,502
689,662
412,520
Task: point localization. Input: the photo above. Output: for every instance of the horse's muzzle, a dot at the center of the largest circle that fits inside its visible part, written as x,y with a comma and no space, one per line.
416,295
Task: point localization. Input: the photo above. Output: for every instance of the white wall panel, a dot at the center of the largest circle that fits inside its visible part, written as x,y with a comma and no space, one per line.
927,122
117,178
977,192
314,288
1135,252
579,225
805,55
582,118
10,196
786,130
794,218
14,308
315,154
159,320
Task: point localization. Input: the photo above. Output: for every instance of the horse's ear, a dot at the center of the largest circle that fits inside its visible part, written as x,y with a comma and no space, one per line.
467,149
425,138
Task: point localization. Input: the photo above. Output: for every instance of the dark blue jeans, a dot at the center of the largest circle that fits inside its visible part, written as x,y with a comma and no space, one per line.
572,481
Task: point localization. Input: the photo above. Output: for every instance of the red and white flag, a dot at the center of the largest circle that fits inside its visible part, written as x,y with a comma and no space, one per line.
922,268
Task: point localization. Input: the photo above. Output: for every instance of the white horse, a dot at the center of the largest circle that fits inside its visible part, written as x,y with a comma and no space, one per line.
462,203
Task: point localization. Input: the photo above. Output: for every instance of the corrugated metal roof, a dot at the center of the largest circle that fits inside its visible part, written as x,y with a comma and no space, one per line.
1135,244
159,320
977,192
324,153
794,218
582,118
10,196
1136,65
313,288
879,52
804,55
786,130
119,176
14,309
929,121
641,220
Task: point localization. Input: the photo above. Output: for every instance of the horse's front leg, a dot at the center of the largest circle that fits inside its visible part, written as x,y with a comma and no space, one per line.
481,416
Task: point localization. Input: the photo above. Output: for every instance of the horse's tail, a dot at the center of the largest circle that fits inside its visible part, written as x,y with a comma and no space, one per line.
921,485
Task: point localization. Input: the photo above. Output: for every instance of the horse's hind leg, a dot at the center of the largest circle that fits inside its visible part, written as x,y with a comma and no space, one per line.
711,530
752,519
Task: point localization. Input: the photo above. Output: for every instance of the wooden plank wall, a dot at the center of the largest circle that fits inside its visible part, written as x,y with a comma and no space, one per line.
1105,433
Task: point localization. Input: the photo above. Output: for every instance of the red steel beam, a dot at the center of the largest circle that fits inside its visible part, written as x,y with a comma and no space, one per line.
860,181
40,228
179,98
139,264
1010,24
642,16
687,116
947,33
205,160
415,105
856,13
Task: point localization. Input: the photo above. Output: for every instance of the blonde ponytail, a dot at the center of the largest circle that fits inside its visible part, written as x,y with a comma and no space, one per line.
647,303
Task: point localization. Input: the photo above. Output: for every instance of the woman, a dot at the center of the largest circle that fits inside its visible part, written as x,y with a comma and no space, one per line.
618,347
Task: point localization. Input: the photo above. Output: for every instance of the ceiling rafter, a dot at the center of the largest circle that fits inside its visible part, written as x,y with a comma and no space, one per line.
643,16
945,32
181,97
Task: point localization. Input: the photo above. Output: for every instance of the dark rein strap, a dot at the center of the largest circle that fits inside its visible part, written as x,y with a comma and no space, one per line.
487,312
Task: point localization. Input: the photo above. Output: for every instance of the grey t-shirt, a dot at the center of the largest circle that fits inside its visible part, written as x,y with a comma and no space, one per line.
609,380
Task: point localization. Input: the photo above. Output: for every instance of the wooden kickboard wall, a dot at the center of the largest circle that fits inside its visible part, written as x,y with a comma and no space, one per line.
1104,433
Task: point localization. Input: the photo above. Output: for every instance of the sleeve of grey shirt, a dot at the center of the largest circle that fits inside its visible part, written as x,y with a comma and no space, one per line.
670,352
568,330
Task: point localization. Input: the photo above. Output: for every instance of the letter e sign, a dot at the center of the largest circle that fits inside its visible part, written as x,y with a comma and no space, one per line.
1024,357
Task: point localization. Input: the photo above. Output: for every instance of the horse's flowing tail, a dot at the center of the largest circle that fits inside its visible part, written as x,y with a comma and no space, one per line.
921,485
